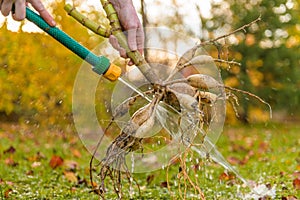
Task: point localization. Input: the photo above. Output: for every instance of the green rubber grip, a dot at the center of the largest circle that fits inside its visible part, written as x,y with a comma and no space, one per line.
100,63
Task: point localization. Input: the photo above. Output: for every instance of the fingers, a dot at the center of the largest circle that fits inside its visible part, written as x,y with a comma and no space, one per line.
114,42
135,40
20,9
6,7
140,39
131,39
39,7
20,12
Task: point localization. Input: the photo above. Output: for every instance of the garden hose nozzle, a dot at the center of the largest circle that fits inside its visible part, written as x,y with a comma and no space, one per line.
101,64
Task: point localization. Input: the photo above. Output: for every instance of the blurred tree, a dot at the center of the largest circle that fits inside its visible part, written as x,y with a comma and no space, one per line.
268,50
37,73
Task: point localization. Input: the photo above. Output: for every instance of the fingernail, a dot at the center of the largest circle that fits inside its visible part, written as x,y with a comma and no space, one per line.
53,23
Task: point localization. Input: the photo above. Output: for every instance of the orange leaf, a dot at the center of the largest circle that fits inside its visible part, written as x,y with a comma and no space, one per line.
226,176
6,193
94,184
76,153
296,183
70,176
56,161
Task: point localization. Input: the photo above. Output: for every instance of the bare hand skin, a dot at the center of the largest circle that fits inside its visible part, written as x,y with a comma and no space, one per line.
131,24
6,8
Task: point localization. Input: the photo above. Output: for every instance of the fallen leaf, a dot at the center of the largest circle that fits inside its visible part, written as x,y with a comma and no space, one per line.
29,173
37,157
70,176
36,164
196,167
263,147
149,179
82,181
56,161
73,189
237,148
296,175
10,162
71,165
9,183
296,183
282,173
76,153
289,198
234,160
6,193
10,150
226,176
94,184
164,184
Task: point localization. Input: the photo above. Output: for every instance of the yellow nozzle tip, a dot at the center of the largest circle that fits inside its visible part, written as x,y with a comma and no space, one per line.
113,72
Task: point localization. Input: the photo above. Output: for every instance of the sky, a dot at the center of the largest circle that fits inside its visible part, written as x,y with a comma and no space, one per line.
155,10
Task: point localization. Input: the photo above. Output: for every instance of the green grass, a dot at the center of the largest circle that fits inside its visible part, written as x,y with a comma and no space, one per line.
268,154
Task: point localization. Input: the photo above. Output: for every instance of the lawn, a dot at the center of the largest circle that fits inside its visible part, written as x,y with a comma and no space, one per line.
39,163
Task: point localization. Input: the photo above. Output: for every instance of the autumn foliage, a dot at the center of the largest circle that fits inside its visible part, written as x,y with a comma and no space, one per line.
37,73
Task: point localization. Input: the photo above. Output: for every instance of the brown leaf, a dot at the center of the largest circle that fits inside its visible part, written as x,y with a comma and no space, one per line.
263,147
196,167
29,173
73,189
82,181
289,198
234,160
10,162
6,193
56,161
70,176
296,183
149,179
226,176
37,157
10,150
164,184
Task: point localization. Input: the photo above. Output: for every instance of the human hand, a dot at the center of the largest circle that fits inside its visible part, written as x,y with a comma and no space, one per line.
131,24
6,8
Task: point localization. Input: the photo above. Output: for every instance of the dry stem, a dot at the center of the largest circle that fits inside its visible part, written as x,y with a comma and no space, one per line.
243,28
